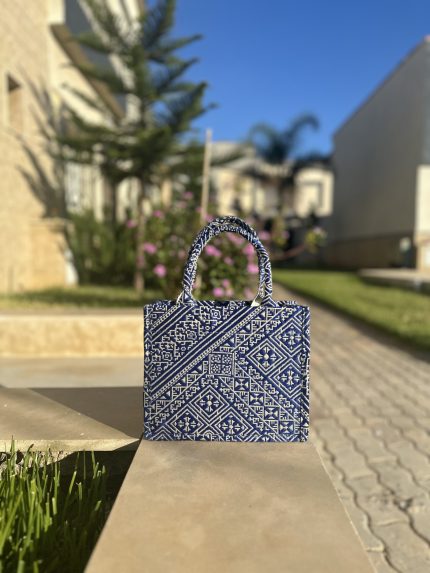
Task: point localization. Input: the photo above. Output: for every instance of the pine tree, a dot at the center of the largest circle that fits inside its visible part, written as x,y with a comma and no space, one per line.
148,143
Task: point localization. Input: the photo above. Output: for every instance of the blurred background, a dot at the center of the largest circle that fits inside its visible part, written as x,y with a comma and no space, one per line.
118,143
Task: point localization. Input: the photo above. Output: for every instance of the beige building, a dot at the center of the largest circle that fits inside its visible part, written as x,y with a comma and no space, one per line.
35,47
381,203
234,188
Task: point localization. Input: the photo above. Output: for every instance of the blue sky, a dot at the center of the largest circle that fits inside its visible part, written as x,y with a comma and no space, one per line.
272,60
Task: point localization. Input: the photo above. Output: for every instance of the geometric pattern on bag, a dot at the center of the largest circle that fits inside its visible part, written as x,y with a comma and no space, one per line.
226,370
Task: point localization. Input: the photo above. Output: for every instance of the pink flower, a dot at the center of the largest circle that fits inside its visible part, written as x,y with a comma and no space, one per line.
158,214
213,251
160,271
228,261
149,248
208,218
131,223
182,254
225,283
264,235
248,250
218,291
229,292
235,239
252,269
188,195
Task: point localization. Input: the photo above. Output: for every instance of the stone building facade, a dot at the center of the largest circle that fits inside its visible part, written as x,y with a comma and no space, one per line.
35,47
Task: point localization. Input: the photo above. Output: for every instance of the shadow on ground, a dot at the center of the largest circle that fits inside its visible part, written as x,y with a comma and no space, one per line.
119,408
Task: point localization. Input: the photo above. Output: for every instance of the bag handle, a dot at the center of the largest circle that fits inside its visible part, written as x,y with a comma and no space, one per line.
216,227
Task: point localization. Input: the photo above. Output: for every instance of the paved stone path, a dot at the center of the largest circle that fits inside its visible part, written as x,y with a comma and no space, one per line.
370,420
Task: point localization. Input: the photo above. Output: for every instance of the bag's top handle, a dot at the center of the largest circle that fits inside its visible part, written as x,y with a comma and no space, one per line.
233,225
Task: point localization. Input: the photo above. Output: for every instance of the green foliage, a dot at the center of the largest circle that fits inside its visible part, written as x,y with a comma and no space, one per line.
400,312
103,253
148,71
168,234
48,522
315,239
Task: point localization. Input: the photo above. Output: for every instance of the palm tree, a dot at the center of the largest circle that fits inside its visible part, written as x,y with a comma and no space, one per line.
279,152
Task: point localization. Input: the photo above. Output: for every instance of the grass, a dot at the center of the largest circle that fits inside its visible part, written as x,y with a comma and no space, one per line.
77,297
400,312
49,522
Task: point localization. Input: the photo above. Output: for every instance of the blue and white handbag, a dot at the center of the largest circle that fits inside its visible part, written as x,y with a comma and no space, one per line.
226,370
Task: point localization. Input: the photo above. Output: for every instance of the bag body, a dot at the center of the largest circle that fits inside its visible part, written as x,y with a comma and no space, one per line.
226,370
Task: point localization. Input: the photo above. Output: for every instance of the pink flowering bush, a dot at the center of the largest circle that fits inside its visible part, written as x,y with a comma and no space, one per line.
160,271
149,248
167,237
252,269
226,268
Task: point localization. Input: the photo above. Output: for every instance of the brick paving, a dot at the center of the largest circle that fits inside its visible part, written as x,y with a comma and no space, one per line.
370,420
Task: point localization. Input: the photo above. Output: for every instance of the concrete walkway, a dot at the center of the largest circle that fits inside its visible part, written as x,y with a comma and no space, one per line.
71,404
370,421
188,507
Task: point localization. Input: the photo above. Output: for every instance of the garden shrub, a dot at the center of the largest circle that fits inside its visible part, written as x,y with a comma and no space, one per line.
225,269
103,252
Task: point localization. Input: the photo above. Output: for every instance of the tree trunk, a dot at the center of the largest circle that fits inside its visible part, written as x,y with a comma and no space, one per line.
110,199
139,280
114,203
281,198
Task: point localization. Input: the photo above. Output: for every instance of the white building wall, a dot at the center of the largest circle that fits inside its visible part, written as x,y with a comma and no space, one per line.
376,155
314,193
422,218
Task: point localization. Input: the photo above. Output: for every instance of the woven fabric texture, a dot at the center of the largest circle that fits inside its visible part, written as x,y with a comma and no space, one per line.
226,370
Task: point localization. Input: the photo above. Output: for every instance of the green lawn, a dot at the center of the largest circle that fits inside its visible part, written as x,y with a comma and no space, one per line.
405,314
77,297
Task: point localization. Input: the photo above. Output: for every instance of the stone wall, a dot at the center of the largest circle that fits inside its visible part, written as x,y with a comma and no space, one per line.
30,253
32,248
372,252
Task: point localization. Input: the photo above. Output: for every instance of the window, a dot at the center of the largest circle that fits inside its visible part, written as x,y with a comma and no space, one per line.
14,103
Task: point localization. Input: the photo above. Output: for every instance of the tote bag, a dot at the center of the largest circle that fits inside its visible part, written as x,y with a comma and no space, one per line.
226,370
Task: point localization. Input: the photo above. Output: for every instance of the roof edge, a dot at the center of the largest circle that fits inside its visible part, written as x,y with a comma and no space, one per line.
424,42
